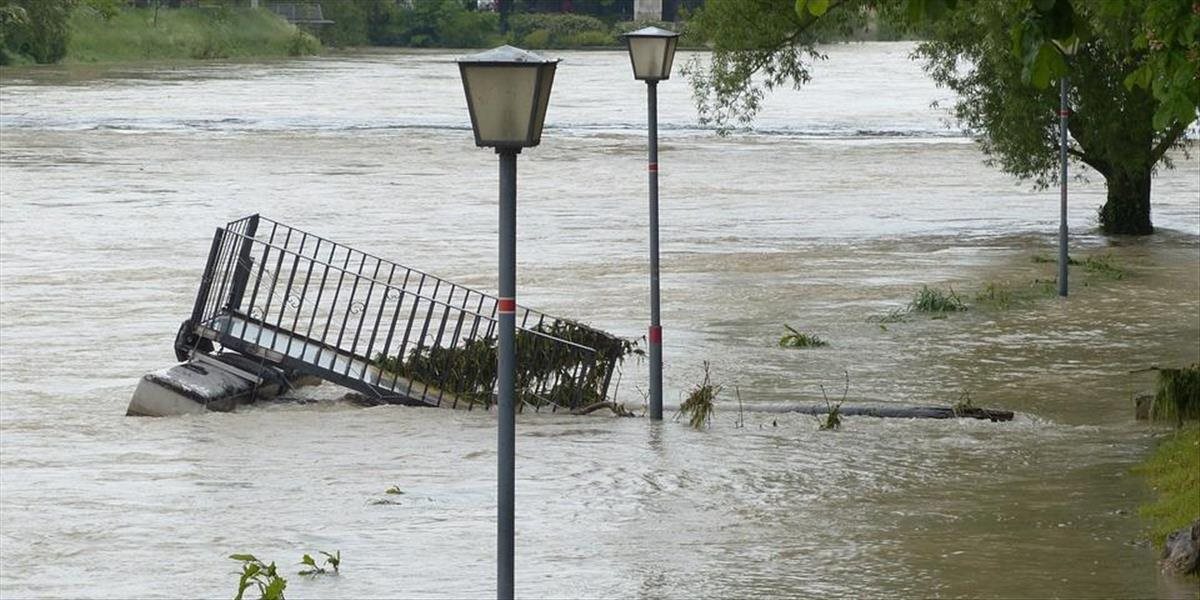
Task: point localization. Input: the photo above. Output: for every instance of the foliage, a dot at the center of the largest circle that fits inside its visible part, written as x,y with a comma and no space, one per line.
1177,394
798,339
936,300
12,18
549,372
896,315
132,34
36,29
333,561
1104,266
1134,77
1003,98
699,407
257,574
426,23
1174,471
963,405
1003,295
833,414
550,30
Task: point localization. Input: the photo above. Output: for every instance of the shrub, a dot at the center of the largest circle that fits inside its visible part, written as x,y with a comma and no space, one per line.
561,30
36,28
538,38
591,38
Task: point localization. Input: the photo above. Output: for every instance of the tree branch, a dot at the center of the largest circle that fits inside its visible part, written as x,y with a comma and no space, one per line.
1173,134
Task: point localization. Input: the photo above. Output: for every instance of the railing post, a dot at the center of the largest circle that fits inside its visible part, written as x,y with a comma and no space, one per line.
241,272
206,281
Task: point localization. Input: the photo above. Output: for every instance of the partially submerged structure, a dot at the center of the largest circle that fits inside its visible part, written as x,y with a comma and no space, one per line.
276,303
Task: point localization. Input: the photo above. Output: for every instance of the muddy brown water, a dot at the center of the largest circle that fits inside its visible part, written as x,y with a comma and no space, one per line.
845,199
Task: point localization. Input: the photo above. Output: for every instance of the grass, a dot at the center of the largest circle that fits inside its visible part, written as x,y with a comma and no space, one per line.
184,33
1174,472
1004,296
936,300
1101,265
799,339
1177,394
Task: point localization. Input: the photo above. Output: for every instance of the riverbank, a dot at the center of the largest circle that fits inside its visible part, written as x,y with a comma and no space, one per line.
89,36
140,34
1174,472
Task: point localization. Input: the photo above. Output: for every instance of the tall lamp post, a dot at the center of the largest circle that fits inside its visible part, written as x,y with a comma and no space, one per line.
652,50
507,91
1064,114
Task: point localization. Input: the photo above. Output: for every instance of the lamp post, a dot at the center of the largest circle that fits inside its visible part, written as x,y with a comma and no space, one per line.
652,50
507,92
1064,114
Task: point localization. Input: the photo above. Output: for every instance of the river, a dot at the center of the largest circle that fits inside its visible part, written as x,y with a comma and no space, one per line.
843,200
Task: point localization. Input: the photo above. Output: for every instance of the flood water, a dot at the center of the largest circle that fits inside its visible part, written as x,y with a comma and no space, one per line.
845,199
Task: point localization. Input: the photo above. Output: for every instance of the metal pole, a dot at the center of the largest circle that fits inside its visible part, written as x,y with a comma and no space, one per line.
506,372
655,334
1064,113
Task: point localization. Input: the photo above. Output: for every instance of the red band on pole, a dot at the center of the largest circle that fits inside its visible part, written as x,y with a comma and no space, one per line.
1064,113
653,167
508,305
656,334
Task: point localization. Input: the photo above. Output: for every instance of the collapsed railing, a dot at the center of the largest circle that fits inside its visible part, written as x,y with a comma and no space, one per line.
399,335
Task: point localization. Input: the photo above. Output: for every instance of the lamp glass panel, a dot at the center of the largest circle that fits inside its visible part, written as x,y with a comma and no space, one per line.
647,54
670,58
543,101
502,99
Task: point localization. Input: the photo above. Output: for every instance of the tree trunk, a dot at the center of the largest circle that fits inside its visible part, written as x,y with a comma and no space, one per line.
1127,211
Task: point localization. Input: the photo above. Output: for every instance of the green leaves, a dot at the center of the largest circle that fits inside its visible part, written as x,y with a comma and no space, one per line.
815,8
333,560
256,574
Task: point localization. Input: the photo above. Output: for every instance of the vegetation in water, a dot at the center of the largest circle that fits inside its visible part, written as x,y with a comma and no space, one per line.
936,300
1004,295
1102,265
257,574
896,315
1174,472
699,406
332,561
1177,395
549,372
832,420
799,339
963,405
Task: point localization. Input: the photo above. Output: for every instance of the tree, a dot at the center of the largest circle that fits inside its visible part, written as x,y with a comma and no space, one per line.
1134,76
36,28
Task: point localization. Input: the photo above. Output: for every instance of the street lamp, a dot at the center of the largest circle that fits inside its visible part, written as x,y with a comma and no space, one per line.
507,91
652,50
1067,49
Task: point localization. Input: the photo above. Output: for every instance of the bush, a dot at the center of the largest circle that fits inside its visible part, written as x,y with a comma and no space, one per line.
36,29
591,38
538,30
428,24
